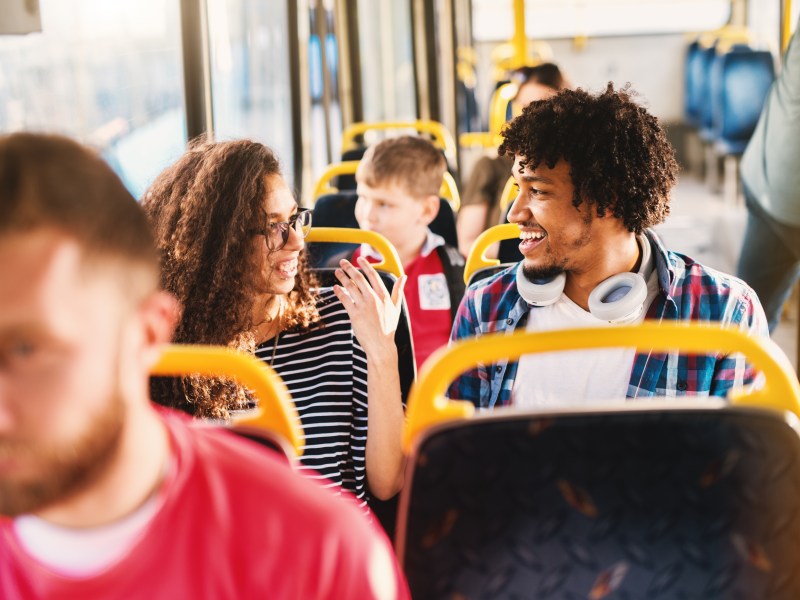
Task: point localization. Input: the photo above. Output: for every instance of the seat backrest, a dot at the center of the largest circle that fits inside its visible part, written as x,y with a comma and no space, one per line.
745,79
338,210
332,210
693,77
683,503
508,251
347,182
706,87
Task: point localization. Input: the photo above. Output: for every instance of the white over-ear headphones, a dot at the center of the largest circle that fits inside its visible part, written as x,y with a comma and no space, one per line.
618,299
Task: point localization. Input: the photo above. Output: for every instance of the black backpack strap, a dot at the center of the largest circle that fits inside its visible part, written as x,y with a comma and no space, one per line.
453,267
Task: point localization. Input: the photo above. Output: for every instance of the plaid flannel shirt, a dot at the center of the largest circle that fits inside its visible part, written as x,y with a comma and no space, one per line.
688,291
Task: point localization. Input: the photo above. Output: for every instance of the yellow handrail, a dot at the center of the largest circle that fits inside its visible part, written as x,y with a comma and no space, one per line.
519,39
449,189
786,25
499,106
323,186
441,135
276,411
508,195
727,35
428,406
477,254
484,139
390,259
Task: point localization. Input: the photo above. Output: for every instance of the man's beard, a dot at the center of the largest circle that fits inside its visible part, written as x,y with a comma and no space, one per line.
541,274
62,470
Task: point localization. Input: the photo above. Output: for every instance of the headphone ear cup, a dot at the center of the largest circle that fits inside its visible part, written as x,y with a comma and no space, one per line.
619,299
540,293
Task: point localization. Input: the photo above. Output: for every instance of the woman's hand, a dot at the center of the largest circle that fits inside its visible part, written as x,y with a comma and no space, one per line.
372,310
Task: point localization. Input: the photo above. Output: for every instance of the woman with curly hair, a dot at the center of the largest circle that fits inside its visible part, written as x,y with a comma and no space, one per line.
231,237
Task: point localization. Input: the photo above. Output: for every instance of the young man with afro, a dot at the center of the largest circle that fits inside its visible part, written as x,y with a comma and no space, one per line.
594,173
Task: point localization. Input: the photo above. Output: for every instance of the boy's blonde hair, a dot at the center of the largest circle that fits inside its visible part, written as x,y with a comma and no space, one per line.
410,162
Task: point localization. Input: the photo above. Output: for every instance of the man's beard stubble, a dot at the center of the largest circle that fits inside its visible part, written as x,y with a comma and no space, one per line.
65,470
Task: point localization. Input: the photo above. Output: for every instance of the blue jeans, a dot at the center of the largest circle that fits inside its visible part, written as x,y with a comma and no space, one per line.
770,259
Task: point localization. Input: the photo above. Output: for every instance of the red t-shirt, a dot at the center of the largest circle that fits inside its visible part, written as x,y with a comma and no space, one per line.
235,522
428,301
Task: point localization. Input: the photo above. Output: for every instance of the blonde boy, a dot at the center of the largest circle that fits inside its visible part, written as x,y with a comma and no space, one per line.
398,196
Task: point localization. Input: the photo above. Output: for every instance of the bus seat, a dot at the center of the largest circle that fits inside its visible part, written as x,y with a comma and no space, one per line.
338,210
334,172
693,78
706,91
508,251
745,77
675,499
332,210
680,502
275,423
347,181
478,266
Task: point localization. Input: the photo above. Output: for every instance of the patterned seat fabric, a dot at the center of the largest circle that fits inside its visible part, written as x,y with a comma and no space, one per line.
627,505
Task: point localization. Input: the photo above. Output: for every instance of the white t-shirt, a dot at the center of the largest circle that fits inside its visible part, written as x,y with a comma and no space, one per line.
579,377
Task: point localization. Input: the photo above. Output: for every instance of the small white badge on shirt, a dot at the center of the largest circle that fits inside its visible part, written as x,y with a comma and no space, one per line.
433,293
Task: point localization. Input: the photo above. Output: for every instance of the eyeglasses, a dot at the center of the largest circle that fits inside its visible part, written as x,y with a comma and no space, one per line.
277,234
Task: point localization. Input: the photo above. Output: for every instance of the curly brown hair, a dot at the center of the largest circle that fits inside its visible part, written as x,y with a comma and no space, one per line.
618,154
203,210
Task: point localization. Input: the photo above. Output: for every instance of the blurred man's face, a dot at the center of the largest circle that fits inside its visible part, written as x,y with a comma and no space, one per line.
61,370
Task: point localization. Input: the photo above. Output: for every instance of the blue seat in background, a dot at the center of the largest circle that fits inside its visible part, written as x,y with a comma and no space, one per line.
743,79
694,76
706,89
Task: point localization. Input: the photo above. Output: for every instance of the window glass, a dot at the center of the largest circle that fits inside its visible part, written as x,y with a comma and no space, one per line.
250,81
387,60
493,20
106,73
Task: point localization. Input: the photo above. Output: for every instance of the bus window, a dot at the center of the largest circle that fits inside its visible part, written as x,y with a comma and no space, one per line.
250,82
493,19
107,73
387,61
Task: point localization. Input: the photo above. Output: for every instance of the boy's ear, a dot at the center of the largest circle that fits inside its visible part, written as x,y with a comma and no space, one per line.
431,209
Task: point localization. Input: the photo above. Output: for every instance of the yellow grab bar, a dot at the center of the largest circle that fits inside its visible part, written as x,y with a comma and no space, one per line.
441,135
449,189
509,194
484,139
499,106
276,411
519,40
786,24
477,254
390,259
323,186
428,406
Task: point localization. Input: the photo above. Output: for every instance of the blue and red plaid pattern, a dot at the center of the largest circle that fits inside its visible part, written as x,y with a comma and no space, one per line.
688,291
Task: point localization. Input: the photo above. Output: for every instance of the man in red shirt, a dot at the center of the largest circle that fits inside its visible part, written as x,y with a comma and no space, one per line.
101,495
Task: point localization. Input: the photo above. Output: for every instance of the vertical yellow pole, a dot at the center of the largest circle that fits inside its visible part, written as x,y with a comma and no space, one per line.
519,41
786,29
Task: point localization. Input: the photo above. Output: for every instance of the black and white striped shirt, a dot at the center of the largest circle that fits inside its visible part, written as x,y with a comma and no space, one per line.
325,369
